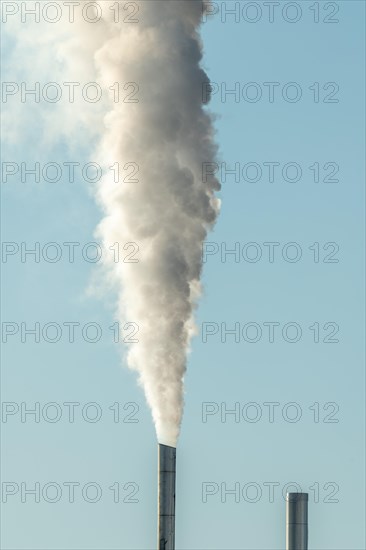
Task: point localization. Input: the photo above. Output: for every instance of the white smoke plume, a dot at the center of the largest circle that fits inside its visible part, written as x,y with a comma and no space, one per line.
168,208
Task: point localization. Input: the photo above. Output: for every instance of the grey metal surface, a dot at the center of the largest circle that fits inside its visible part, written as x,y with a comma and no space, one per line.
166,497
297,521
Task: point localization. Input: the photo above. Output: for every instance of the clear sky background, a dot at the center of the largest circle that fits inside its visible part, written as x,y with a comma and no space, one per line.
318,383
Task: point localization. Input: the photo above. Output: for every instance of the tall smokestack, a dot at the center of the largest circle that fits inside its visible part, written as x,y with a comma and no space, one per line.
297,521
166,498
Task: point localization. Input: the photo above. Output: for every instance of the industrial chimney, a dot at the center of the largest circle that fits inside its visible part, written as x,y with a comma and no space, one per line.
297,521
166,498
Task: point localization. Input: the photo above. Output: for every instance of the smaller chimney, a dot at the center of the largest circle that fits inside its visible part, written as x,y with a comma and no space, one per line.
297,521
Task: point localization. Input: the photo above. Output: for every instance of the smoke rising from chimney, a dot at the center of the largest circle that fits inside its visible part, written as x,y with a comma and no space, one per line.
167,210
160,125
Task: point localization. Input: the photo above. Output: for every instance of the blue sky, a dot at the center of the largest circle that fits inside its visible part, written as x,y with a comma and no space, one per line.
317,380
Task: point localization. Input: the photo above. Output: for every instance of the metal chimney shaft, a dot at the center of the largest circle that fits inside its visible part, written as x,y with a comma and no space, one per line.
297,521
166,498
